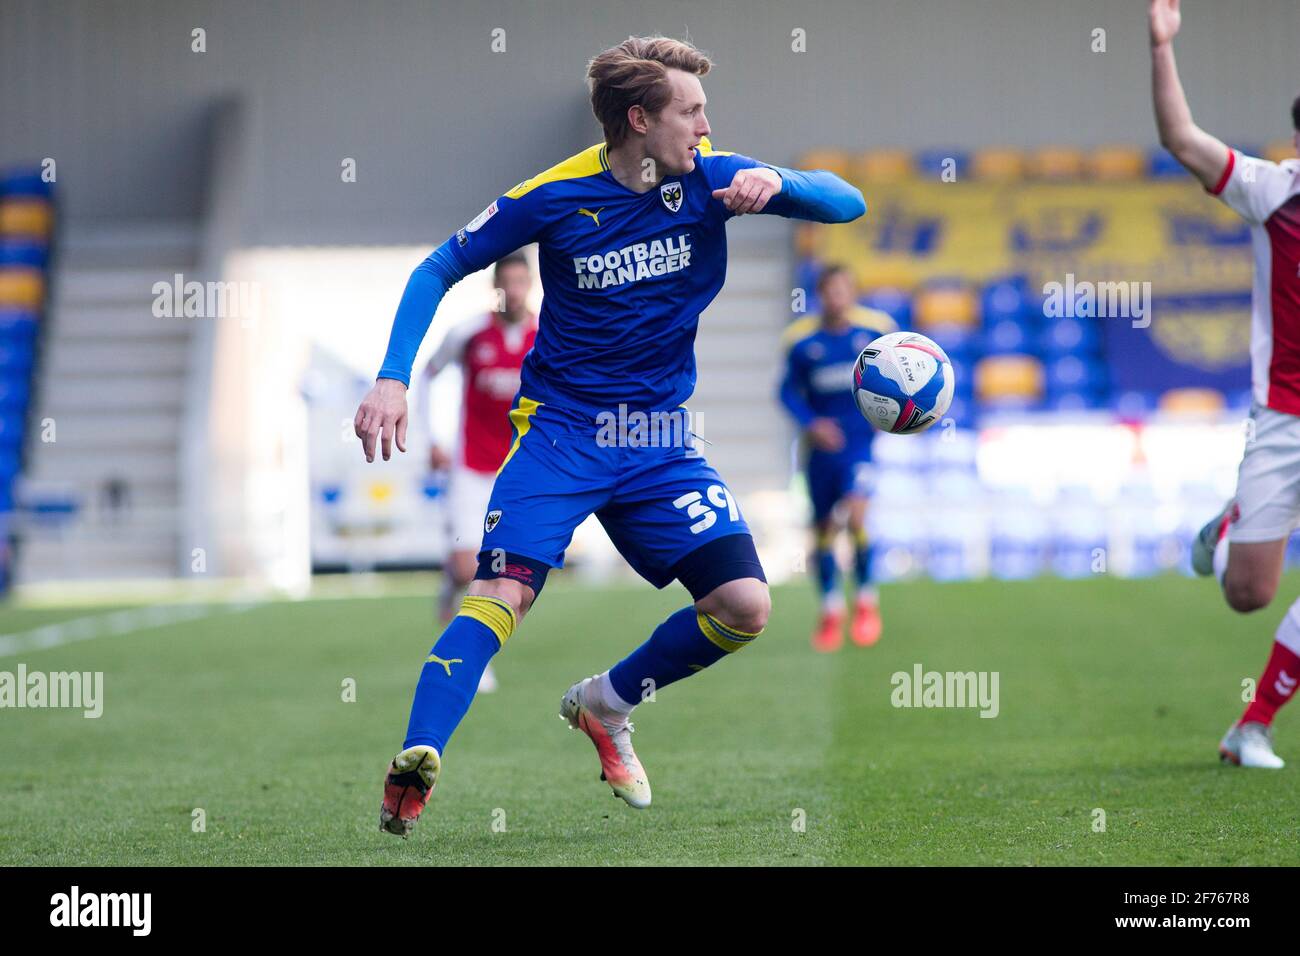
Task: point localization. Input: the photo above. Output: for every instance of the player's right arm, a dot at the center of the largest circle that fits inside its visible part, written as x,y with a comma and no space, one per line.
1205,156
512,221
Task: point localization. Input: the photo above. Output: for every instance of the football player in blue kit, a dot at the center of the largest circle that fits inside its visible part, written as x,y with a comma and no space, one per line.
632,248
817,390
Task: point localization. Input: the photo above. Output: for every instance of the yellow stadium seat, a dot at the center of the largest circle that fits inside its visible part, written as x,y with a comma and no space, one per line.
998,165
32,218
1003,377
1116,162
1282,149
1054,162
22,287
832,160
805,239
885,165
945,305
1192,401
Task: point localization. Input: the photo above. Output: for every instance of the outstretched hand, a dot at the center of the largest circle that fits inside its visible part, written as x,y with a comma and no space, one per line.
1165,18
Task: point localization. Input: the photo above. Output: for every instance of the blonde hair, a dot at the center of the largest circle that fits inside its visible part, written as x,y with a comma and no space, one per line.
635,73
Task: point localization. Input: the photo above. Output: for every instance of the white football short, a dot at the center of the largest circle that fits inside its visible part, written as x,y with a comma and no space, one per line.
1268,481
468,492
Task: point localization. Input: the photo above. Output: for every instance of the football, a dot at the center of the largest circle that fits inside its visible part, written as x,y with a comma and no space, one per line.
903,383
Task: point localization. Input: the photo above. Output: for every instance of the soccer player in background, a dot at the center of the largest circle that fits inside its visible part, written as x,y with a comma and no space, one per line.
489,351
632,248
817,390
1244,545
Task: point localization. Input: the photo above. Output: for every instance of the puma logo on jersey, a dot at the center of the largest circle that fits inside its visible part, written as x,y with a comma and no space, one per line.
446,665
595,216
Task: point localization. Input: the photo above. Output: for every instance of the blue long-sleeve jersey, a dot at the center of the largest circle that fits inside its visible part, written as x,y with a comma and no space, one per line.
818,380
625,275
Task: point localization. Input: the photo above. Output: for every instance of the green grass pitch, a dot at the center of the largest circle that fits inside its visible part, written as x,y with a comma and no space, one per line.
1113,695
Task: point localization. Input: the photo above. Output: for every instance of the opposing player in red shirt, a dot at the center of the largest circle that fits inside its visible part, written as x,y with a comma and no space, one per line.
489,350
1244,545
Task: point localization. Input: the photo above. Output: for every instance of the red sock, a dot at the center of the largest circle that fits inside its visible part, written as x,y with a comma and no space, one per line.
1279,682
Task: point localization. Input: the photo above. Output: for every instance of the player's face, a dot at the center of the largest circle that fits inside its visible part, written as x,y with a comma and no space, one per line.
838,294
515,282
673,133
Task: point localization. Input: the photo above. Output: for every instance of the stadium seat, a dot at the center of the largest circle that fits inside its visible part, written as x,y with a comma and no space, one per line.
932,164
1192,401
1009,380
897,303
1282,149
1075,372
1069,336
944,302
15,251
1007,298
1055,163
1111,163
1162,165
28,218
883,165
24,182
22,287
1008,335
836,161
997,165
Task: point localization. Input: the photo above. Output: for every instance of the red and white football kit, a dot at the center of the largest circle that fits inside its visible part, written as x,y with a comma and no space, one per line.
490,353
1267,196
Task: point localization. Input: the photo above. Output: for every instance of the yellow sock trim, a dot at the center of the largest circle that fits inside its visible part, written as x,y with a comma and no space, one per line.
860,538
826,540
727,638
494,612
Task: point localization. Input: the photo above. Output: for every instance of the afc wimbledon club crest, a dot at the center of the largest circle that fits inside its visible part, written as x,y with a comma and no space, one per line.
491,520
671,194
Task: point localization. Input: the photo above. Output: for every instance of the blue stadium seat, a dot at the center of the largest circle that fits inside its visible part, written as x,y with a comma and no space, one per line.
23,182
1162,165
1009,335
15,358
1076,399
1071,372
15,251
1066,336
14,392
1007,298
930,163
895,302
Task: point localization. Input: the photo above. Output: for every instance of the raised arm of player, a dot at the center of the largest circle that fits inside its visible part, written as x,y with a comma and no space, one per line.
505,225
1205,157
744,185
816,195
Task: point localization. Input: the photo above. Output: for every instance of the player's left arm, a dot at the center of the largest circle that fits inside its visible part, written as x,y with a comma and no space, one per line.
745,185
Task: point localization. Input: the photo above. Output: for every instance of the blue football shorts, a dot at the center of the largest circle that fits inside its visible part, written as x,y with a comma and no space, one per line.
664,507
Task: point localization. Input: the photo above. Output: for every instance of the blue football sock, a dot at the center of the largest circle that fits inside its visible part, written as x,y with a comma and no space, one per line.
828,569
451,672
687,642
862,558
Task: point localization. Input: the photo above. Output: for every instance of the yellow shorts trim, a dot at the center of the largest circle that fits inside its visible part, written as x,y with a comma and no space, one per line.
521,418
